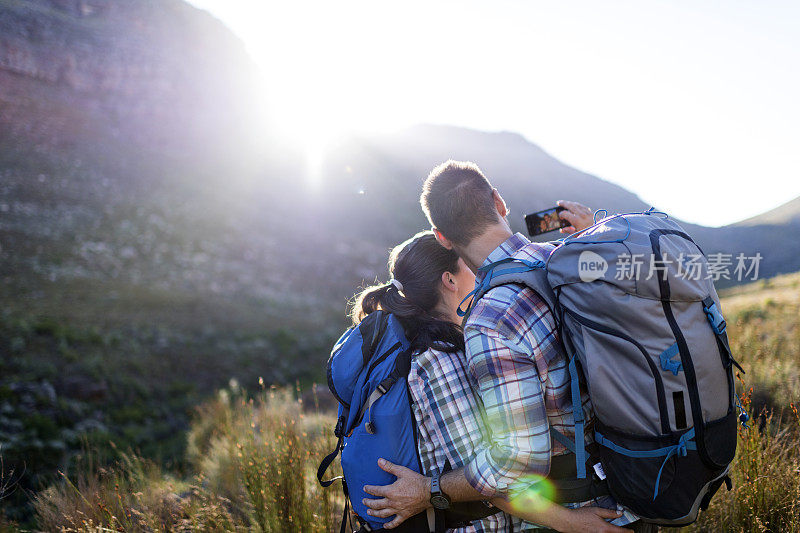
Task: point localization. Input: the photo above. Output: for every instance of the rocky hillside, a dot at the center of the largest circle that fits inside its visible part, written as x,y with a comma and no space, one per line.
129,292
160,74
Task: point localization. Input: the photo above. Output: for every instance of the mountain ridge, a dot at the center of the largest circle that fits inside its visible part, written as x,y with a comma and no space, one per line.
786,213
527,177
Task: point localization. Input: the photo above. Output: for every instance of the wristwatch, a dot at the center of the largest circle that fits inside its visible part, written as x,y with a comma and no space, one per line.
439,499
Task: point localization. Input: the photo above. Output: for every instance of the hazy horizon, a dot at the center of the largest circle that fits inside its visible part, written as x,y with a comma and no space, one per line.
699,97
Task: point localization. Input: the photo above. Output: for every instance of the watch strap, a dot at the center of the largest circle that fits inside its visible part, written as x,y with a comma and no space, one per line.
435,484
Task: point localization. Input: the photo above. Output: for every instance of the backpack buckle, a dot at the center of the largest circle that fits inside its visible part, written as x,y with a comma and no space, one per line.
338,431
384,386
715,318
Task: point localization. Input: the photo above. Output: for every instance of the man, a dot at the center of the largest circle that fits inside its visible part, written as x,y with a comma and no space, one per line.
516,365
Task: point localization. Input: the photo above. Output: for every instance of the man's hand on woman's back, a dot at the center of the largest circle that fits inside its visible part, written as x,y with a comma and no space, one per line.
407,496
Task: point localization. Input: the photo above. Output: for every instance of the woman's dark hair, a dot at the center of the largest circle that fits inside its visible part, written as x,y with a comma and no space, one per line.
418,264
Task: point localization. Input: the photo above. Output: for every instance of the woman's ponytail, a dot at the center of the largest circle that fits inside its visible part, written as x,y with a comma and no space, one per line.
413,293
371,299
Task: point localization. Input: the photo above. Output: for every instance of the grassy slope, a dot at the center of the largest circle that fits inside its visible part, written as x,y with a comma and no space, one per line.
765,336
764,329
96,348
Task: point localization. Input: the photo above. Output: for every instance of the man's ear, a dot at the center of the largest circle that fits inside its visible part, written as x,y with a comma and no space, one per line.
442,239
500,204
448,282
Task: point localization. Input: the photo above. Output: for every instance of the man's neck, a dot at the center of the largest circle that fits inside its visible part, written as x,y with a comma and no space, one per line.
479,249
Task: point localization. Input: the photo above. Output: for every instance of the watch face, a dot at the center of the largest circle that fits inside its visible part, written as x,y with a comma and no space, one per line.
440,501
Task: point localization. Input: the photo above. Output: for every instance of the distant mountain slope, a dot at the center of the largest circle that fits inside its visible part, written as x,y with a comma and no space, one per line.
371,188
123,124
374,183
783,214
161,74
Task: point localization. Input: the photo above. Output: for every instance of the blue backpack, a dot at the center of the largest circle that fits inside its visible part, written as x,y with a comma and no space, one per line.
367,373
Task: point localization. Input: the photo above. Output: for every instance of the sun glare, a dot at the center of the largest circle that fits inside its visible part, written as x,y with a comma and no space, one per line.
608,89
319,74
331,68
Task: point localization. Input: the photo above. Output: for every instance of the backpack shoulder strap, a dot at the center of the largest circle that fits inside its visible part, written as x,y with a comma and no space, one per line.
510,271
372,329
534,278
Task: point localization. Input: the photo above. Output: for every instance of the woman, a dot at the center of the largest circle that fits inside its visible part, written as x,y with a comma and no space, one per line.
429,281
428,284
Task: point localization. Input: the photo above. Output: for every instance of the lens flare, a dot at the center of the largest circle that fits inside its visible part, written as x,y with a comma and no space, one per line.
535,493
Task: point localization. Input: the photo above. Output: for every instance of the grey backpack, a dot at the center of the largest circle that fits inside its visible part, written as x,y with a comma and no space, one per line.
640,322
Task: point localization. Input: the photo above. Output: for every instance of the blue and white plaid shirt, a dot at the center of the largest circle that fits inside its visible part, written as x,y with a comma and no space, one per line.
449,416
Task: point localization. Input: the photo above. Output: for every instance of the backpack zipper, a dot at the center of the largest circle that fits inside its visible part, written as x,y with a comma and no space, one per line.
381,359
661,395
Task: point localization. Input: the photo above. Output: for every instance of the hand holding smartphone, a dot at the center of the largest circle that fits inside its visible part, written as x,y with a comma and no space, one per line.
545,221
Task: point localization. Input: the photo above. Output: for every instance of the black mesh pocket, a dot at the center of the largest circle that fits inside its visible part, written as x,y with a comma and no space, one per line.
720,439
668,487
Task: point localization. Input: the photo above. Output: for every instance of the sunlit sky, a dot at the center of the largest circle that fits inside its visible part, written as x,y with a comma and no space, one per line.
693,105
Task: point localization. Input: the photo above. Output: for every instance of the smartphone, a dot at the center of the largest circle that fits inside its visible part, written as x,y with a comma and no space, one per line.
544,221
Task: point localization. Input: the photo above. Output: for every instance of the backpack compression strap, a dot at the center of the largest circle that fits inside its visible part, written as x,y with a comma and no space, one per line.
402,366
719,326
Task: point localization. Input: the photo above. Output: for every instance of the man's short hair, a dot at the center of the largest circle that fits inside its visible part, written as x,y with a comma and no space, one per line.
457,199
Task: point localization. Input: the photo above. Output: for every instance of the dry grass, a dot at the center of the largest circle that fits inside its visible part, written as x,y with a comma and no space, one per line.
256,471
766,480
133,495
764,330
765,338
